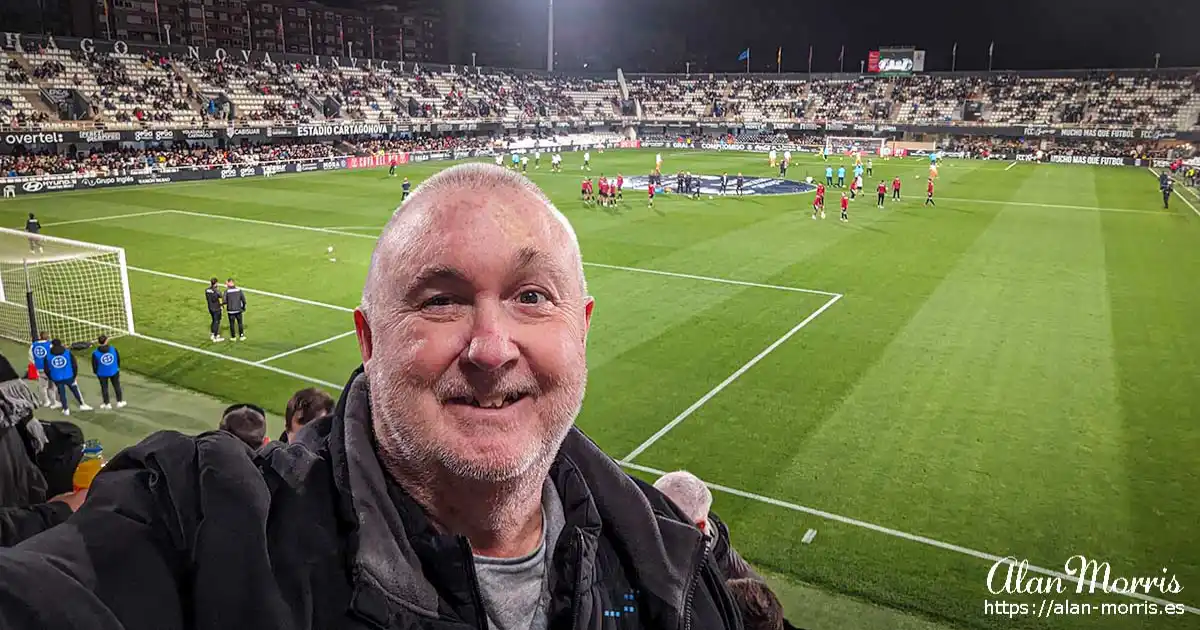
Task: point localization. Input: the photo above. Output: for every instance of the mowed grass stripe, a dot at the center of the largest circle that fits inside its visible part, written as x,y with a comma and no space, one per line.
1152,275
1007,369
753,412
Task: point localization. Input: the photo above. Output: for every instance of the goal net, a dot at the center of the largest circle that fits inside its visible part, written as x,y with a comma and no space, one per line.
835,145
70,290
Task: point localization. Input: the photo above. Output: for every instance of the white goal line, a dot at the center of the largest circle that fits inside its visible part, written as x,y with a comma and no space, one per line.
215,355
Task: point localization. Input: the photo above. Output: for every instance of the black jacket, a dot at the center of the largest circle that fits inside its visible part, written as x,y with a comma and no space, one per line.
204,533
729,561
20,523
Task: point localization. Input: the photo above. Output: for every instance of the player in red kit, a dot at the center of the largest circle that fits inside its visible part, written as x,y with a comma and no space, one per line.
845,208
929,191
896,189
882,190
818,205
620,187
650,192
585,190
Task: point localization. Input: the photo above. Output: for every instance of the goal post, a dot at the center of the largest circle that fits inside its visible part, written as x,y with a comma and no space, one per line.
852,144
70,290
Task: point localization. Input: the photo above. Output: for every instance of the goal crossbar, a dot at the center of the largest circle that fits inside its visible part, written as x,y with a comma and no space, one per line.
81,289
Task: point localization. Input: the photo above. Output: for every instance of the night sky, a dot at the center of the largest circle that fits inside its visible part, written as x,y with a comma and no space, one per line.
661,35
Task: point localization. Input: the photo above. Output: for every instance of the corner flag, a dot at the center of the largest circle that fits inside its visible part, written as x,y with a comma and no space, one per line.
745,55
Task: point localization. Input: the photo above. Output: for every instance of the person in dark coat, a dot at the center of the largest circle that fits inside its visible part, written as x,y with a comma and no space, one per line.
24,508
448,490
305,406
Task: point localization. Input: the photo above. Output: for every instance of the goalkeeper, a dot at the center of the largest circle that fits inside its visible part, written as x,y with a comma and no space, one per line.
33,226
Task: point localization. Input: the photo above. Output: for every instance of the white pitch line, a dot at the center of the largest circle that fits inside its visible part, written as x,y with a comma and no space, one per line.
303,348
1048,205
281,296
273,224
174,344
1010,166
711,279
215,355
1155,173
586,264
725,383
925,540
108,218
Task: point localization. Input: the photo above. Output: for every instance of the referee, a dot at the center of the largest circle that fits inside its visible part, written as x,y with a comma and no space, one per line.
212,295
235,305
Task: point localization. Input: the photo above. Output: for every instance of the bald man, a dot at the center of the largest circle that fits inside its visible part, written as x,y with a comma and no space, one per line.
449,489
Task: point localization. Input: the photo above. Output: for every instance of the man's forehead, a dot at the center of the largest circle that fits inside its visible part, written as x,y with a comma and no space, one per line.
515,229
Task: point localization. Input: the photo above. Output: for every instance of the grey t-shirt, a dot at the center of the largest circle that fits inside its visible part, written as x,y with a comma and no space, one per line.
515,590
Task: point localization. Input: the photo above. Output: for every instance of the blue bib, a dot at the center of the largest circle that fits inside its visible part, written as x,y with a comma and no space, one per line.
41,350
107,363
59,367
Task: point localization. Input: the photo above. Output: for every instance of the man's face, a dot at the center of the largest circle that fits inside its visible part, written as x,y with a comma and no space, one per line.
475,349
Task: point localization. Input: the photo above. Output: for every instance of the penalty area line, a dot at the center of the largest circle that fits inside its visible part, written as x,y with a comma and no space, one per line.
925,540
729,380
109,218
303,348
671,274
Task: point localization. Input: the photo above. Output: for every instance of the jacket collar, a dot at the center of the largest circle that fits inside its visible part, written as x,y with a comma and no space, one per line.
660,551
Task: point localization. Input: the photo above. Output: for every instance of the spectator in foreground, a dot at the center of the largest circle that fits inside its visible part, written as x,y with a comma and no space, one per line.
448,488
760,608
247,422
305,406
24,508
695,500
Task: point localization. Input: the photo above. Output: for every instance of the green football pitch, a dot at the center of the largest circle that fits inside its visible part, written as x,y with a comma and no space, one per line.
886,406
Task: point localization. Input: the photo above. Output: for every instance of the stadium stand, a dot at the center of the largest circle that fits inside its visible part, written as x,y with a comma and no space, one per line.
149,91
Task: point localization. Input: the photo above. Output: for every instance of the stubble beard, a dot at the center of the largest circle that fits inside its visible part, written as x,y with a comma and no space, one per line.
411,451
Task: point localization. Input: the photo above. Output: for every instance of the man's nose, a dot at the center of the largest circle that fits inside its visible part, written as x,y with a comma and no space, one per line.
491,345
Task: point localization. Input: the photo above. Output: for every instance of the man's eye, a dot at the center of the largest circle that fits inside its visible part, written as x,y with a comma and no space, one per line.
438,300
532,297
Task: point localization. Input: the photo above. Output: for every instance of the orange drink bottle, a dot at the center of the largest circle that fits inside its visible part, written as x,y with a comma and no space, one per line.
89,466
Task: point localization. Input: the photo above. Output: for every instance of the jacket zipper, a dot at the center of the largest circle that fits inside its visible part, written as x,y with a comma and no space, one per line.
575,597
476,596
691,592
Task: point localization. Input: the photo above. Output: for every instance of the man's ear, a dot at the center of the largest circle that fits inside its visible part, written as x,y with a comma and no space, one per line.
587,316
363,330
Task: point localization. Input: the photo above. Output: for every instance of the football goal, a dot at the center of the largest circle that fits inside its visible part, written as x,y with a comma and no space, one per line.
70,290
843,145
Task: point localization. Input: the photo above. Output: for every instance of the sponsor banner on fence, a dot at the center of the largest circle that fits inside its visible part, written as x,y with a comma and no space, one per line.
60,182
336,131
